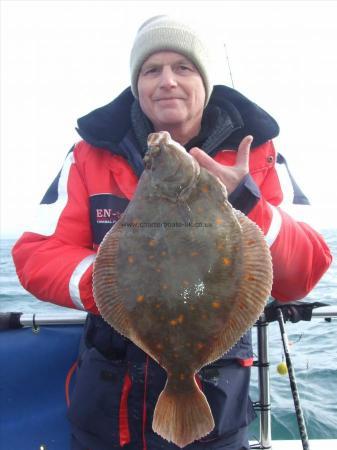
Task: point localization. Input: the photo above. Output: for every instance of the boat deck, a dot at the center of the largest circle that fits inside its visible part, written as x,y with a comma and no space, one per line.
315,444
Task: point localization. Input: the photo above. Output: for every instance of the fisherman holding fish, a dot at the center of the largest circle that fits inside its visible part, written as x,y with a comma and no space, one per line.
172,107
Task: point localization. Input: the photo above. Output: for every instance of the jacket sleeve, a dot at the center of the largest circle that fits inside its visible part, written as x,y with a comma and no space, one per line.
54,261
300,255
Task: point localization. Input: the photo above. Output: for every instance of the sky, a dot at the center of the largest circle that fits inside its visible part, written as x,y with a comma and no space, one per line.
61,59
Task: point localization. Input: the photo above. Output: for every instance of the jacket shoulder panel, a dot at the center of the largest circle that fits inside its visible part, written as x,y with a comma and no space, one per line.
104,172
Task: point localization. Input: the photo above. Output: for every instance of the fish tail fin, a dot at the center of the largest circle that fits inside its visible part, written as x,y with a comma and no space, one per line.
182,417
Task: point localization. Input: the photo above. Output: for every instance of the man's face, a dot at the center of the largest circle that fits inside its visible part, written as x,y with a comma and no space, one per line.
171,91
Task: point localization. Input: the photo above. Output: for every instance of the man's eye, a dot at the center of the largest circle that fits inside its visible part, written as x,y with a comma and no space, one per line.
183,68
150,70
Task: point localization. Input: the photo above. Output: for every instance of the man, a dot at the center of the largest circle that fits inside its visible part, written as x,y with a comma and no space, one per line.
117,385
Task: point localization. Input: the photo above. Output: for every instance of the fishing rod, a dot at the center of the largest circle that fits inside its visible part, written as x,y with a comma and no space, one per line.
293,385
293,312
229,66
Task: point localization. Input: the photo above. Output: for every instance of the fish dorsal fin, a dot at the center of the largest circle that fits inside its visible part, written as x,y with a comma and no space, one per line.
255,286
109,299
105,286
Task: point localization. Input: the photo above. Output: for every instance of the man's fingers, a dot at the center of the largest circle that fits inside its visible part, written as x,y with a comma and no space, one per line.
242,158
203,159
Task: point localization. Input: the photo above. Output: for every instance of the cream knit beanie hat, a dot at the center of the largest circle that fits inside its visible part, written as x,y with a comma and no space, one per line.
162,33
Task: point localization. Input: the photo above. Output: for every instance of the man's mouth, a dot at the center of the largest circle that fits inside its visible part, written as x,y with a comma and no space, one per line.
163,99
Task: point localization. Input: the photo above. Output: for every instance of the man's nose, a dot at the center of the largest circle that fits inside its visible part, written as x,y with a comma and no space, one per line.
167,77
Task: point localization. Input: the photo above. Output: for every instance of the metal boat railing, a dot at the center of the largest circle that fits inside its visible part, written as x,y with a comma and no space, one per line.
33,320
263,405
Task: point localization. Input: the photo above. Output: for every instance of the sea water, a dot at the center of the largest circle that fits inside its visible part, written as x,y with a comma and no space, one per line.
313,347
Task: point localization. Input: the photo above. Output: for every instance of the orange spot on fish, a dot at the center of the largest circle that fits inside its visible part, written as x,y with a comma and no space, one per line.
151,257
194,253
140,298
216,305
218,221
226,261
250,277
159,346
163,253
164,286
131,259
204,188
186,283
182,376
199,345
158,269
152,242
178,320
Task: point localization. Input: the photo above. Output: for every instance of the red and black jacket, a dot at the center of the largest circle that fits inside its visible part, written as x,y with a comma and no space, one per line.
99,177
54,261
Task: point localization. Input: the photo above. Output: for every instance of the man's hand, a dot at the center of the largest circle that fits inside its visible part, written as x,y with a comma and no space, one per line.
229,175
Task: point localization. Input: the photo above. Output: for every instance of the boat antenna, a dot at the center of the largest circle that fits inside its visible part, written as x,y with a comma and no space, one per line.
293,384
229,66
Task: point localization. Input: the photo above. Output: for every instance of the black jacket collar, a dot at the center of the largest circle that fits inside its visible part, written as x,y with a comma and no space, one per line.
228,118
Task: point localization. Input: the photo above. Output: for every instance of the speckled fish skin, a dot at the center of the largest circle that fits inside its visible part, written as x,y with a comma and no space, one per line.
182,274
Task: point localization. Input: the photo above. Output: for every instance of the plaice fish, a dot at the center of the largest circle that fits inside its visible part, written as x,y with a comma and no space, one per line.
183,275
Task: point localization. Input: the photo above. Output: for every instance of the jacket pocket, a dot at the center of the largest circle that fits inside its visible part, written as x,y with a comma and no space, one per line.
95,400
226,386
